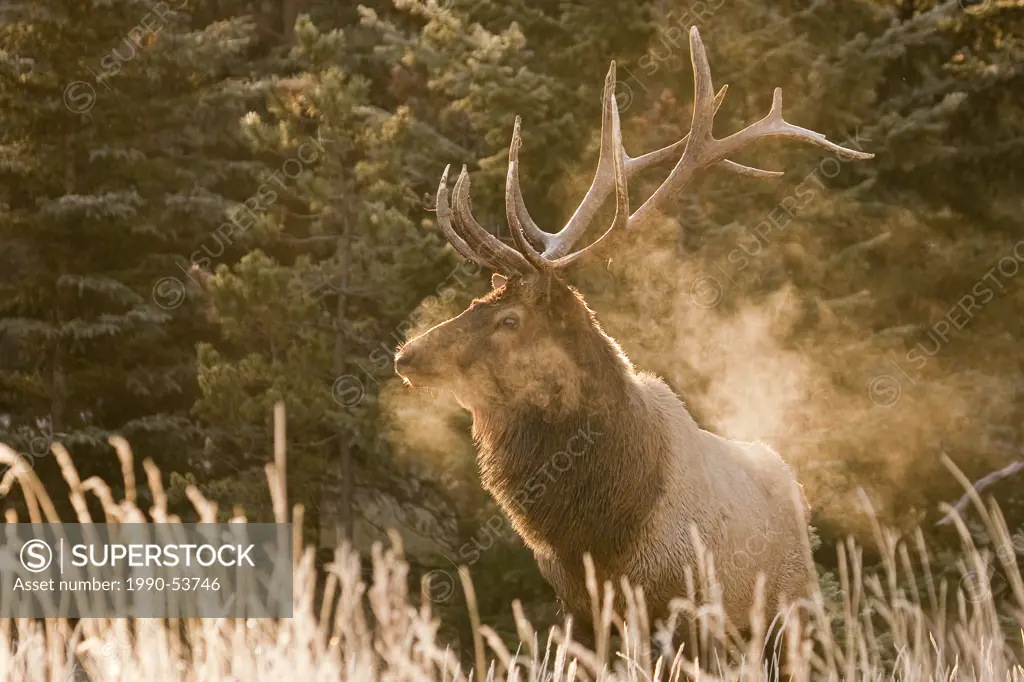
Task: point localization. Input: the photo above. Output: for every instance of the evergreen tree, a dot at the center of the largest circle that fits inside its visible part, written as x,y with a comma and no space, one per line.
116,131
213,206
313,316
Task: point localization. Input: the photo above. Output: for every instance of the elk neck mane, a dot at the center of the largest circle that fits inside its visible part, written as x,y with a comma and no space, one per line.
578,475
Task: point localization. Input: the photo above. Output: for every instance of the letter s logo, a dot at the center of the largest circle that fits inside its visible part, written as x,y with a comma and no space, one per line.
36,556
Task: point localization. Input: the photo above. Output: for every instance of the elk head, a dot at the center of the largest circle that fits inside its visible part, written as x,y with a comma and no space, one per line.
533,338
530,342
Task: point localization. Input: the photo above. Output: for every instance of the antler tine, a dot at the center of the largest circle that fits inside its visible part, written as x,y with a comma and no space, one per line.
558,244
532,230
651,159
703,107
444,219
700,130
563,241
515,207
621,220
703,150
773,125
501,256
512,192
659,156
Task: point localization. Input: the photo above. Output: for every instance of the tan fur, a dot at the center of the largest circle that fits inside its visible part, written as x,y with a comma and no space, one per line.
587,455
740,497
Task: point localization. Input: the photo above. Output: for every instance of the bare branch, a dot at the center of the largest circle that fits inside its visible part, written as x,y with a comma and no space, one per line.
979,485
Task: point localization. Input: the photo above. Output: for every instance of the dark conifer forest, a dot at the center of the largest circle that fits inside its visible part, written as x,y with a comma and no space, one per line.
211,207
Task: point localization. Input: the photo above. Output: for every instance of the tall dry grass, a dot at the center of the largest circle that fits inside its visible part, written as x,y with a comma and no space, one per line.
902,623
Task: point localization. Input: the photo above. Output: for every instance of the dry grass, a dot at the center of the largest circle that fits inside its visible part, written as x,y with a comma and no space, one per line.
900,624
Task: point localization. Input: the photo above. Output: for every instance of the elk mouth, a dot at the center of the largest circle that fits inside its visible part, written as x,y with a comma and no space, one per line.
432,383
419,379
410,366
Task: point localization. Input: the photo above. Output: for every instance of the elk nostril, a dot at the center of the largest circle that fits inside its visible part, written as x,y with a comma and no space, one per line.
404,359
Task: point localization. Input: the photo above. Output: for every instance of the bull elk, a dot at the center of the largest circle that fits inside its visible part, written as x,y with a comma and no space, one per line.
531,363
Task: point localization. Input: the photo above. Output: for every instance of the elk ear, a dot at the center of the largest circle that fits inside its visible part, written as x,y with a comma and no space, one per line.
498,280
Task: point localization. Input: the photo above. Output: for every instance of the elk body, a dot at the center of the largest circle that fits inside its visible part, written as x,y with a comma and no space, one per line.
582,451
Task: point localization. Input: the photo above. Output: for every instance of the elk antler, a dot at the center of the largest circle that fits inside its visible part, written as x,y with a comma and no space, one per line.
468,237
700,150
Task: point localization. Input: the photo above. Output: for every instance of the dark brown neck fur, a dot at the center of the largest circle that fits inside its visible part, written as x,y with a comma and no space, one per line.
582,481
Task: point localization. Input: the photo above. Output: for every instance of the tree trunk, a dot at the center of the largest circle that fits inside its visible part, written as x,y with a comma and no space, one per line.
289,12
340,350
58,377
58,387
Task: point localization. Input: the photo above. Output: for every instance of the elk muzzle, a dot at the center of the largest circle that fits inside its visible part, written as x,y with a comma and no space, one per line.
428,358
405,361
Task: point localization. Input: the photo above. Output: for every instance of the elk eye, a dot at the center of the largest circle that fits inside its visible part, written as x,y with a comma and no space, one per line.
510,321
